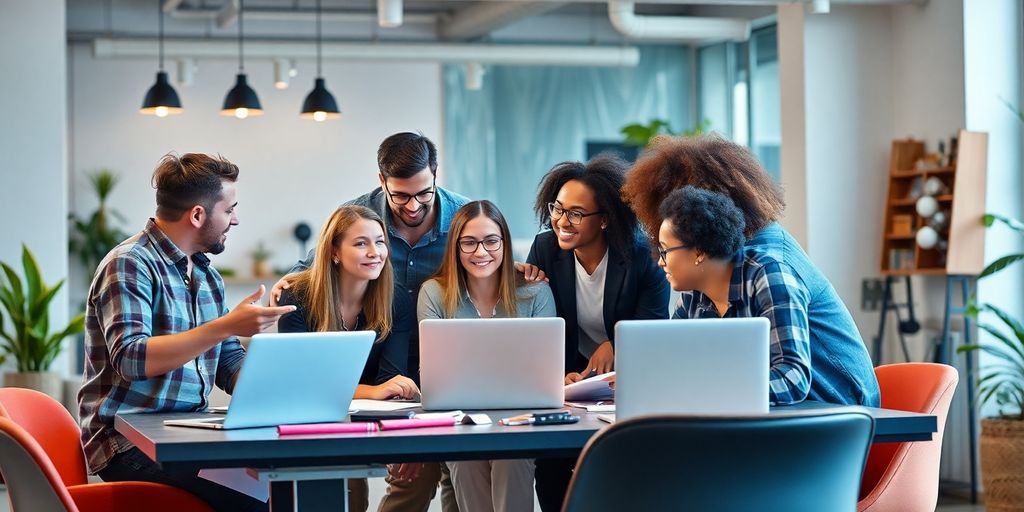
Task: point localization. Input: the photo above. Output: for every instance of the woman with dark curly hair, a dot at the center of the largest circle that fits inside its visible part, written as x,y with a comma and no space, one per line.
719,244
600,271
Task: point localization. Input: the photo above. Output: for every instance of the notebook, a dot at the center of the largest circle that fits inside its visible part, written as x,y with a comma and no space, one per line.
290,378
716,366
492,363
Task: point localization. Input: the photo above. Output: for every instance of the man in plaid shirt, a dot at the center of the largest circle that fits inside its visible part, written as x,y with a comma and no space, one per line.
158,334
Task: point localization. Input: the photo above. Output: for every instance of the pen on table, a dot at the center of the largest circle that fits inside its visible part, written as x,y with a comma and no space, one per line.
522,419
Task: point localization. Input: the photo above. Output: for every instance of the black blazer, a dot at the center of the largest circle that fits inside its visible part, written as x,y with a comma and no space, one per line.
635,288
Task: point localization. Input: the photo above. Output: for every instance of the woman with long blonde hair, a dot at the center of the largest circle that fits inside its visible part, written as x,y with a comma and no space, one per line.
350,287
477,279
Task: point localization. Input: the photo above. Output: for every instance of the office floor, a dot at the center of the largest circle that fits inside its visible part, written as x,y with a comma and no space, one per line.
377,490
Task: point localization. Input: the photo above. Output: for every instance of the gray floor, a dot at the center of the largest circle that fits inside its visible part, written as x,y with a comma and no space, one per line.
377,490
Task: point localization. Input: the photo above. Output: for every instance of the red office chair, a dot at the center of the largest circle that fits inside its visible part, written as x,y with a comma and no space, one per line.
41,450
904,477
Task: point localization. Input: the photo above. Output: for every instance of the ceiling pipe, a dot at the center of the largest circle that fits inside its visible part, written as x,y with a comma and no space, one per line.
298,15
482,18
676,28
507,54
389,13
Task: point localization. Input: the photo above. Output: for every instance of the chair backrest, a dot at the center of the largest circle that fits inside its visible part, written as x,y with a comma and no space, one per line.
52,426
32,481
905,476
800,463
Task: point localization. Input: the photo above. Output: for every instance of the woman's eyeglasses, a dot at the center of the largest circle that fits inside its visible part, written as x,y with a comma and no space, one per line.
575,216
663,252
469,245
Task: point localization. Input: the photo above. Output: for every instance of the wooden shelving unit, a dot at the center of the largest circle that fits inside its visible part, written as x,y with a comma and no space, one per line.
962,202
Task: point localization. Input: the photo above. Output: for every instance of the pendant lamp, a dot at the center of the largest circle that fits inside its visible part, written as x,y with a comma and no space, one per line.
161,99
319,104
241,100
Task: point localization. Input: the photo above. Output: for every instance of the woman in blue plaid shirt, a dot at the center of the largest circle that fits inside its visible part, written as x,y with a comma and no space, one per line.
713,209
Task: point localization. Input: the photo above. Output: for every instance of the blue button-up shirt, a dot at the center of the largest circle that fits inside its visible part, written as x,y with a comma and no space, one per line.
412,265
140,291
816,349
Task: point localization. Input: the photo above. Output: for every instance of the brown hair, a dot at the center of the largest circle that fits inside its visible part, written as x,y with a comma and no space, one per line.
707,162
189,180
317,287
452,277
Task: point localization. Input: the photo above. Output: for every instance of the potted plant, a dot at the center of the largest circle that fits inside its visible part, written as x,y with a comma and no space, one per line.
93,237
261,261
29,342
1002,436
638,134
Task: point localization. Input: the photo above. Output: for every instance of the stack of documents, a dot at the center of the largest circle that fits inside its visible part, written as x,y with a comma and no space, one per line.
593,394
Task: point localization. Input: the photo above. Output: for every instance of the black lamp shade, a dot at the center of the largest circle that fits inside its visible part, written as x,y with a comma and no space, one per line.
241,96
320,104
161,99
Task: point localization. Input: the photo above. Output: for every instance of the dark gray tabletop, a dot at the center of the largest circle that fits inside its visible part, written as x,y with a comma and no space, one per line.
183,448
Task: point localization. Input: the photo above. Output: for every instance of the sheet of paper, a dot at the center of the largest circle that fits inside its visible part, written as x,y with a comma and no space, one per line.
239,480
594,388
436,415
362,404
593,406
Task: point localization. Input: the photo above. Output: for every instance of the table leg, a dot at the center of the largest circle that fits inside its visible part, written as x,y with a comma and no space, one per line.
322,495
282,496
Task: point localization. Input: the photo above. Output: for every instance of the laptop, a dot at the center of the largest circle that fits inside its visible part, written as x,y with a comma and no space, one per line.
492,363
290,378
716,366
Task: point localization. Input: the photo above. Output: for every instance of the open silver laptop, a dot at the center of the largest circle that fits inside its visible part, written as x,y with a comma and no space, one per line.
493,363
715,366
293,378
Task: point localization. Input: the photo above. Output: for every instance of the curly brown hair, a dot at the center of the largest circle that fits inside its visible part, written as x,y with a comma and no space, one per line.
707,162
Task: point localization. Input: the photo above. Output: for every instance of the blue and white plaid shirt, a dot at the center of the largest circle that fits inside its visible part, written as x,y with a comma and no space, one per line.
140,291
816,349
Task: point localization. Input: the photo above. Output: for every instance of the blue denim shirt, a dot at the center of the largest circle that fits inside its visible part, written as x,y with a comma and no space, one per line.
816,349
412,265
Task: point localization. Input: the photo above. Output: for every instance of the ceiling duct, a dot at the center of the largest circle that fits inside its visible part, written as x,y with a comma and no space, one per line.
676,28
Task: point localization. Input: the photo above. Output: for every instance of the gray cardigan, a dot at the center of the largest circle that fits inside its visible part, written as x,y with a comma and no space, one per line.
534,300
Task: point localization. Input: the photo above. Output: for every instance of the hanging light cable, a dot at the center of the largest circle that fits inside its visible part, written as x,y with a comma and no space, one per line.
241,100
161,99
319,104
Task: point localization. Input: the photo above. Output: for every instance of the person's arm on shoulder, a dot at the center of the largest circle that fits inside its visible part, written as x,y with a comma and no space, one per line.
783,299
430,304
285,282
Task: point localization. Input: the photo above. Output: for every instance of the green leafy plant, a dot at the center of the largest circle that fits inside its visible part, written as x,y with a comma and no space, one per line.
93,237
28,309
1002,382
261,253
638,134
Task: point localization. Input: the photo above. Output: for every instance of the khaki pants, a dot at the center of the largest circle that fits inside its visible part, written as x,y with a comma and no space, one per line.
415,495
494,485
358,495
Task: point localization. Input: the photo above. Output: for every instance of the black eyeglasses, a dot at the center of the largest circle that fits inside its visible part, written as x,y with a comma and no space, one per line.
402,199
663,253
575,216
469,245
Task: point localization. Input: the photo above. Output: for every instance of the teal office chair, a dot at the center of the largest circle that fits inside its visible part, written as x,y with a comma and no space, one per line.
792,464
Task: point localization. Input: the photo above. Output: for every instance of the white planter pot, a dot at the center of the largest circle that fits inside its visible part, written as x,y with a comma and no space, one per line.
50,383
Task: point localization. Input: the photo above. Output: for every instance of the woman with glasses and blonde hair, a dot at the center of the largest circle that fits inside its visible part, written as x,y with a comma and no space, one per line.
350,287
601,271
477,279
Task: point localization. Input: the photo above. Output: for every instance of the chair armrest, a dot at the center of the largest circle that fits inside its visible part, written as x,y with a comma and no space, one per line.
130,496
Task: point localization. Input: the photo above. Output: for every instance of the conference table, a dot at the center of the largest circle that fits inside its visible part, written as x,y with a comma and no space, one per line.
308,472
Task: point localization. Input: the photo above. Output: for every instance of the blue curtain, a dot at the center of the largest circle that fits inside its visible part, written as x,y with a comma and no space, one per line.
500,140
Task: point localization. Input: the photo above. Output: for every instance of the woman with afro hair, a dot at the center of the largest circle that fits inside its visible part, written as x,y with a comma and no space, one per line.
713,211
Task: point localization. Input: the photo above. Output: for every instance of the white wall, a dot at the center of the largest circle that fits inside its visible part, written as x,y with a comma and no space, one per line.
33,190
292,169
